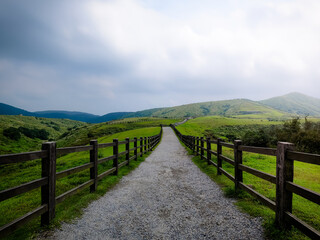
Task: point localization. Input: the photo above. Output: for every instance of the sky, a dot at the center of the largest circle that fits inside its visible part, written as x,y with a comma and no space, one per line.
101,56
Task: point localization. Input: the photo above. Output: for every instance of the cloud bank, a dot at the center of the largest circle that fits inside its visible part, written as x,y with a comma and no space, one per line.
126,55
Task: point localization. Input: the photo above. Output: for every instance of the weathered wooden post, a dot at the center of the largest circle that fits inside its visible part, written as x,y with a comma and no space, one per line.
194,144
237,160
219,152
116,154
208,151
141,146
197,146
136,148
202,146
128,150
284,174
94,169
145,144
48,191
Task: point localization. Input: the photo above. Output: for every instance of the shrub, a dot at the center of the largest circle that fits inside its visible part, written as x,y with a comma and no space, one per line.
12,133
34,133
257,138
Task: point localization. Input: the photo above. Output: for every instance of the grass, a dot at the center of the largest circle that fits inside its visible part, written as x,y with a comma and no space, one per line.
306,175
82,136
15,174
222,126
67,132
231,108
55,127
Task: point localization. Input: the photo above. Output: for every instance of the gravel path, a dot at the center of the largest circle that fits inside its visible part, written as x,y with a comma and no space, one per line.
166,197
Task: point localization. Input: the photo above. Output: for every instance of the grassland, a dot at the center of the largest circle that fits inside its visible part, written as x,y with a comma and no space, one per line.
67,132
16,174
55,128
229,108
306,175
217,126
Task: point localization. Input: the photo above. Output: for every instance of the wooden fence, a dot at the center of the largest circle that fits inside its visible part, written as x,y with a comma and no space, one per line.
48,154
284,175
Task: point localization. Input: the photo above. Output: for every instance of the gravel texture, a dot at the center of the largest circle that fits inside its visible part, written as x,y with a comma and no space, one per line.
166,197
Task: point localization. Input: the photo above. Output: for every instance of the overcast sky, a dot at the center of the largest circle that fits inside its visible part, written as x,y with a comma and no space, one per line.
102,56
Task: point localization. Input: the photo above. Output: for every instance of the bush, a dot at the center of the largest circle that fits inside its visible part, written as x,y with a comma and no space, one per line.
12,133
257,138
34,133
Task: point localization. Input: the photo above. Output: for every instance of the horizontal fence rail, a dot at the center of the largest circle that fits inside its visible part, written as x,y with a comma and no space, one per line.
283,180
47,182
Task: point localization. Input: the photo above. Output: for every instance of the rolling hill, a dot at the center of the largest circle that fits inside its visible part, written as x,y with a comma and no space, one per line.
6,109
227,108
273,108
77,116
295,103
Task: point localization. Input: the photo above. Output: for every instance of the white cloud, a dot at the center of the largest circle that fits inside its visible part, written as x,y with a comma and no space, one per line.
179,51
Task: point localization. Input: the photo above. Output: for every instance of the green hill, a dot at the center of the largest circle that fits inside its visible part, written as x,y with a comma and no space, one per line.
23,133
295,103
6,109
241,108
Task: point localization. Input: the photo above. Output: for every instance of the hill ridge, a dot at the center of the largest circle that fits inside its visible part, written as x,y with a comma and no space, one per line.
276,107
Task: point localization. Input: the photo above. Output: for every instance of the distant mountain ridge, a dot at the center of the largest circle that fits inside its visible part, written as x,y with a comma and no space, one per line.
6,109
277,107
295,103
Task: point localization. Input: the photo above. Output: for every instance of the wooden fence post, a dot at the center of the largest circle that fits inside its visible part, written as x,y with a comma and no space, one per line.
284,174
145,144
48,191
116,154
141,146
219,151
202,146
238,176
194,144
197,146
94,169
136,148
208,151
128,150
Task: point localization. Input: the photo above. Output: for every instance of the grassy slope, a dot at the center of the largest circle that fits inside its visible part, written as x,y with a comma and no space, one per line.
82,136
69,133
295,103
306,175
221,126
55,127
14,175
237,107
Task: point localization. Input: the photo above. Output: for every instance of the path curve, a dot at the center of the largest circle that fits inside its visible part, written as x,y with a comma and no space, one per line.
166,197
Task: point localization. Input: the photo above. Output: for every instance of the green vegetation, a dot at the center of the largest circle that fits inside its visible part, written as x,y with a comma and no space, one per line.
82,135
240,108
306,136
23,134
258,132
16,174
295,103
306,175
226,128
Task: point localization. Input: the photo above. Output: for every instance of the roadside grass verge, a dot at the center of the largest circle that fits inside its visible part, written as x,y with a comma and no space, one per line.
13,208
